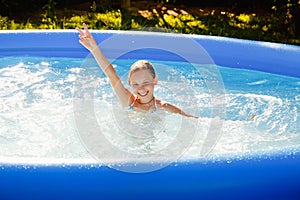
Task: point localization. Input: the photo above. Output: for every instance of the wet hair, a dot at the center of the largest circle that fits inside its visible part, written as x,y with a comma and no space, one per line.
141,65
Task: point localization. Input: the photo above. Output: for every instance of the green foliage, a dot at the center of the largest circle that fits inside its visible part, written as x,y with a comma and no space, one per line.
275,28
107,20
49,19
75,21
182,23
4,23
7,24
287,13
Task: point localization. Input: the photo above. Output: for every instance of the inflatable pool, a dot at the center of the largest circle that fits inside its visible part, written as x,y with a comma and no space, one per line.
264,176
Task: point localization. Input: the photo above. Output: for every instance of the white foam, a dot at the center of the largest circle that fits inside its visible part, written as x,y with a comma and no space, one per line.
38,126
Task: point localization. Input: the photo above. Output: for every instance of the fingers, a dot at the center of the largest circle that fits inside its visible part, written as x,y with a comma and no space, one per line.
86,30
252,117
86,39
81,33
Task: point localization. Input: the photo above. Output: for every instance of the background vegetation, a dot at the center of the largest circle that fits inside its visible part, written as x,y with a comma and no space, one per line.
267,20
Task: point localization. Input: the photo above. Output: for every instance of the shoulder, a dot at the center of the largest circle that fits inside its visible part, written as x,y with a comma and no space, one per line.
172,108
167,106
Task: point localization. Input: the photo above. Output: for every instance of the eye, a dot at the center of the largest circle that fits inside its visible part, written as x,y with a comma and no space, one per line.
135,85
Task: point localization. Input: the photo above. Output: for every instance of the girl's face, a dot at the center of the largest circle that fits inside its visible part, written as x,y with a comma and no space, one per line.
142,83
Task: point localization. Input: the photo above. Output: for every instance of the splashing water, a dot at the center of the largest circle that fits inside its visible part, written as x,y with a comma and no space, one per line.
37,114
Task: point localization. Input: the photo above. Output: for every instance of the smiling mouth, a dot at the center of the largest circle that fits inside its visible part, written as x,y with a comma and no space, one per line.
143,94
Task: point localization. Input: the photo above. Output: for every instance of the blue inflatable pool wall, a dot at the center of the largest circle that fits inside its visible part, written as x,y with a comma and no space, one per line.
274,177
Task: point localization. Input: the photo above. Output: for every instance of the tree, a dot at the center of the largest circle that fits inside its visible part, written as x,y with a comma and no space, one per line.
288,13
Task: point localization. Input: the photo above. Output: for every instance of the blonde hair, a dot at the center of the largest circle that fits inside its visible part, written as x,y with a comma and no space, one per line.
141,65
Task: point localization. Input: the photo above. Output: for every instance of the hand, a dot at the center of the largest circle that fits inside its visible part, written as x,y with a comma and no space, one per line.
252,117
86,39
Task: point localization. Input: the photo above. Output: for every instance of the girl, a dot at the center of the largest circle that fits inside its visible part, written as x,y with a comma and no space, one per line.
141,78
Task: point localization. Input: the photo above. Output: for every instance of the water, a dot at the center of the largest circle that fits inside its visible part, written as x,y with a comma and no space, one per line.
38,124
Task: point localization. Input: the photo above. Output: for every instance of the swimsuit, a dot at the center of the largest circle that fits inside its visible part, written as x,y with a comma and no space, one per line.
130,107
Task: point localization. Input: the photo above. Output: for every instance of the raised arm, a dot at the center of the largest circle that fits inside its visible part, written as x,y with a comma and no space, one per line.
88,41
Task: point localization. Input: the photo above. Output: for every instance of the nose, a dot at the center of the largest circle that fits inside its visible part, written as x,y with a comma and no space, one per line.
141,87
